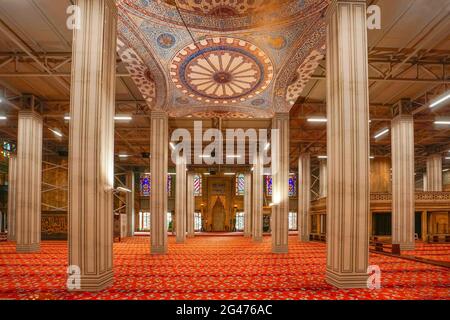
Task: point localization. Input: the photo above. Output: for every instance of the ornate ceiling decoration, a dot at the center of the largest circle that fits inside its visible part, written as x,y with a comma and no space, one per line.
225,15
235,57
221,70
226,8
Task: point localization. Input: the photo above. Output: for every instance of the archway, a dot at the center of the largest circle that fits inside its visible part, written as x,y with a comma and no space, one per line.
218,214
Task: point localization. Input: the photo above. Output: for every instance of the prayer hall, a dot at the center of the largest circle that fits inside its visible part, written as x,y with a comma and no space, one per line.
224,150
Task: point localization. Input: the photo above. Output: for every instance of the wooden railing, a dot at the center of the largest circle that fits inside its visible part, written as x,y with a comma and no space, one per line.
386,247
431,200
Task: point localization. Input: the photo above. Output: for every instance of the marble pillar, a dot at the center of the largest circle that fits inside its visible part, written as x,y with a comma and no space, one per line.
304,196
158,165
425,182
190,205
347,145
434,172
91,144
180,200
403,187
28,183
280,182
248,205
323,179
12,196
257,199
130,203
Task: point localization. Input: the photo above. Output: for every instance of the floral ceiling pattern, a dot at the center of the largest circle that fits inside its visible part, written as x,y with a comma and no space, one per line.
229,57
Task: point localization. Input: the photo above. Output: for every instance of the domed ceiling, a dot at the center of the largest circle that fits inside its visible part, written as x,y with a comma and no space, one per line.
237,58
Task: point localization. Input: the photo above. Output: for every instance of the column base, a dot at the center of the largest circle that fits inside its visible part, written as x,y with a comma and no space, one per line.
407,246
347,281
247,235
12,239
95,283
28,248
190,235
280,249
303,238
158,250
257,239
181,241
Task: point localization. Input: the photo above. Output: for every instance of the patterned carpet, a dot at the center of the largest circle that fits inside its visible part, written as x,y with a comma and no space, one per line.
438,252
213,268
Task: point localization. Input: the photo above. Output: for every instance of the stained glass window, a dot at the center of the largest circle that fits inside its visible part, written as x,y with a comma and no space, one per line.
145,184
197,185
268,185
240,184
293,221
292,185
239,225
169,185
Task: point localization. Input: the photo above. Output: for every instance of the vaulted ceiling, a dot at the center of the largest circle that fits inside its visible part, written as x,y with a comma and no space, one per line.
247,58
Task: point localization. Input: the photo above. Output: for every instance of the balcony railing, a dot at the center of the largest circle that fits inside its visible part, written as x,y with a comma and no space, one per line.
425,200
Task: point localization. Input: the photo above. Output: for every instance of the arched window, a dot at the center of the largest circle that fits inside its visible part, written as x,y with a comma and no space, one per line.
144,221
268,185
240,184
292,185
197,185
197,221
239,225
169,185
293,221
169,221
145,184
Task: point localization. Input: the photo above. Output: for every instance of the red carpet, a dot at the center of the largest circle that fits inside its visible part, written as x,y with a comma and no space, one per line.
438,252
213,268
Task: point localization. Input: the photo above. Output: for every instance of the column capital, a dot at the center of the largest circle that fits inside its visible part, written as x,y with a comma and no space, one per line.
28,113
334,3
304,155
433,151
402,107
159,114
281,115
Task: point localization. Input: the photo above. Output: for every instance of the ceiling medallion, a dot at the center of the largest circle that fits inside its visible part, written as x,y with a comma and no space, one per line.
221,70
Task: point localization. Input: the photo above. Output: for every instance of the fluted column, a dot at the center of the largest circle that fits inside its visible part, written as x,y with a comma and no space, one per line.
12,196
28,183
347,145
158,166
323,178
248,205
130,203
403,199
280,183
304,196
434,172
91,145
257,199
190,205
180,200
